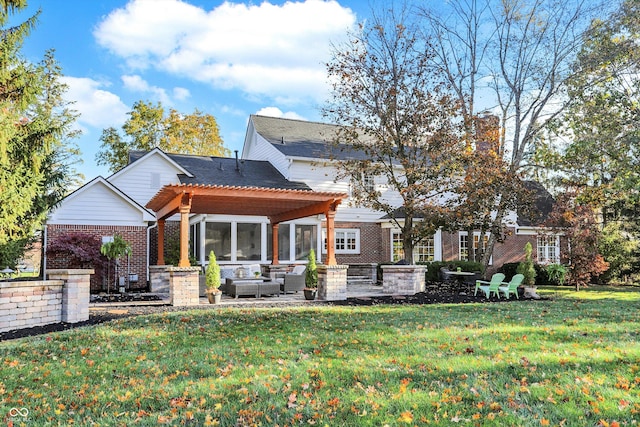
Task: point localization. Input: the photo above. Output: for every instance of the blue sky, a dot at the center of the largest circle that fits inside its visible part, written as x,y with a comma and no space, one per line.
227,59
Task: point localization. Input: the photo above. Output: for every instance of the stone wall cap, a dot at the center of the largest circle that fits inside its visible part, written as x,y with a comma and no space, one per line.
404,266
332,267
172,268
29,283
71,271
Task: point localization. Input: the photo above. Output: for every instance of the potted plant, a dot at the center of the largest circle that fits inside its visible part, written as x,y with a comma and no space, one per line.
311,277
212,280
527,269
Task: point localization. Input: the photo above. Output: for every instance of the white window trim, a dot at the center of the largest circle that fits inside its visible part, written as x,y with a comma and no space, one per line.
355,251
437,244
556,245
465,233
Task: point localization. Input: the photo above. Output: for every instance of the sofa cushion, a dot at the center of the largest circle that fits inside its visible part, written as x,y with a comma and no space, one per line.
226,273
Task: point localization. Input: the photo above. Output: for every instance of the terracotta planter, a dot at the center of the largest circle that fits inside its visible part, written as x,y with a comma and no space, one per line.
310,294
214,297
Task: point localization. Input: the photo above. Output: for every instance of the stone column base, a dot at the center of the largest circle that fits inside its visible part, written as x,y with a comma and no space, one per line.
75,293
403,279
332,282
184,286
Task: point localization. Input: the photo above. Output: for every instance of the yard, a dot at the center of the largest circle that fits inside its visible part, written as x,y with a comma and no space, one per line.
573,359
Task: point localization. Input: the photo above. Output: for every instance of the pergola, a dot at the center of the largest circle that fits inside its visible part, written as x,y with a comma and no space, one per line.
278,205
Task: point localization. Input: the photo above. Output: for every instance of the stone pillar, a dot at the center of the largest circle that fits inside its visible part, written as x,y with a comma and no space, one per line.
332,282
184,285
159,279
403,279
75,293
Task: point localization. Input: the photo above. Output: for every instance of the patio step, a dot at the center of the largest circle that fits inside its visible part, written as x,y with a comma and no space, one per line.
352,280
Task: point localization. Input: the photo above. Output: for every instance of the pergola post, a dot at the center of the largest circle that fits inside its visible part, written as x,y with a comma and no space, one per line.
331,257
185,209
274,243
160,242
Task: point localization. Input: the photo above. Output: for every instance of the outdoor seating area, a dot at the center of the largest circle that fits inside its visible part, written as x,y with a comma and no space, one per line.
250,280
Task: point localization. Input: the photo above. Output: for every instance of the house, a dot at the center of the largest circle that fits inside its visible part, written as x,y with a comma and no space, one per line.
272,204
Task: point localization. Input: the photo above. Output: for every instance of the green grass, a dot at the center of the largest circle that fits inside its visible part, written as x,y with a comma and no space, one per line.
573,360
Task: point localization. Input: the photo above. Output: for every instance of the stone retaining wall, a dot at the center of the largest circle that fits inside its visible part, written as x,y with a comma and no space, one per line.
62,298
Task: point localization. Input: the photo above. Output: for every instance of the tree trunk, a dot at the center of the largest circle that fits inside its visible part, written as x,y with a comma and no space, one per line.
407,240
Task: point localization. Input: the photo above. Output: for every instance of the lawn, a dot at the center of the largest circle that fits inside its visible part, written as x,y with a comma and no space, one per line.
572,360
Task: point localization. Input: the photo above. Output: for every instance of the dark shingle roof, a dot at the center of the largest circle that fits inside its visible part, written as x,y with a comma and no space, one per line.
299,138
537,213
227,171
541,206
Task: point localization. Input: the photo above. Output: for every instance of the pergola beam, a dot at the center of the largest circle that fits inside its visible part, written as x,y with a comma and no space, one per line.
278,205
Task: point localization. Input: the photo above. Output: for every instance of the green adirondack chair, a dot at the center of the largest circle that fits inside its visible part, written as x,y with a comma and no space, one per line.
512,286
491,286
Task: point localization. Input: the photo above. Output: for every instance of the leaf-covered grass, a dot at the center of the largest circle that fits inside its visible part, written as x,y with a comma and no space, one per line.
572,360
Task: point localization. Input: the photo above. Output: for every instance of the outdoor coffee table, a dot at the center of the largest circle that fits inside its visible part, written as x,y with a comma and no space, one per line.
258,287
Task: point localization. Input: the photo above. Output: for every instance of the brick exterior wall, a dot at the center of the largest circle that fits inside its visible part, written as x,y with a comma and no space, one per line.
511,250
371,247
136,236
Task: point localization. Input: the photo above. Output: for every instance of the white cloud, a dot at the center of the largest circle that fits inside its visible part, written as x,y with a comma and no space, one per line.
181,93
264,50
97,107
136,83
276,112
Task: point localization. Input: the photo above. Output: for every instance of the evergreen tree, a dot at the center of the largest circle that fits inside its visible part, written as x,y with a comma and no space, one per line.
35,127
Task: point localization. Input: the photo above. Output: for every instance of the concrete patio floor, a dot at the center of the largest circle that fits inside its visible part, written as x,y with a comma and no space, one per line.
355,290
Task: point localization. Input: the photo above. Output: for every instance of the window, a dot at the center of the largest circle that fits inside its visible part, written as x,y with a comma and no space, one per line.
306,239
346,241
368,183
218,239
284,240
463,247
423,251
249,241
195,241
548,249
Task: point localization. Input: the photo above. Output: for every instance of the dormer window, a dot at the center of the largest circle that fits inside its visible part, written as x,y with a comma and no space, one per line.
368,182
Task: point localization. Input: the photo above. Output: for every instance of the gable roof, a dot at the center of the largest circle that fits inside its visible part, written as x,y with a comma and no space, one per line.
135,156
86,195
225,171
299,138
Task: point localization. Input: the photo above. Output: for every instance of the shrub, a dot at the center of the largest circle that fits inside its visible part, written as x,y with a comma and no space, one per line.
212,274
78,250
557,273
526,267
172,252
311,273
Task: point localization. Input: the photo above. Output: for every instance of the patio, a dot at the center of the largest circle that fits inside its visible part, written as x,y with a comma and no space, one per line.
356,290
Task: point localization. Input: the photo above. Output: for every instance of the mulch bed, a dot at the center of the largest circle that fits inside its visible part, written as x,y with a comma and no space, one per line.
435,293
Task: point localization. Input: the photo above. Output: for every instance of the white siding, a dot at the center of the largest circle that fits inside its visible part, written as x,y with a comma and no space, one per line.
261,149
142,179
321,177
97,205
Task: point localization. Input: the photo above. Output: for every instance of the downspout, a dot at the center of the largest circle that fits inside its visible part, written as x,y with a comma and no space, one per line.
43,266
155,224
